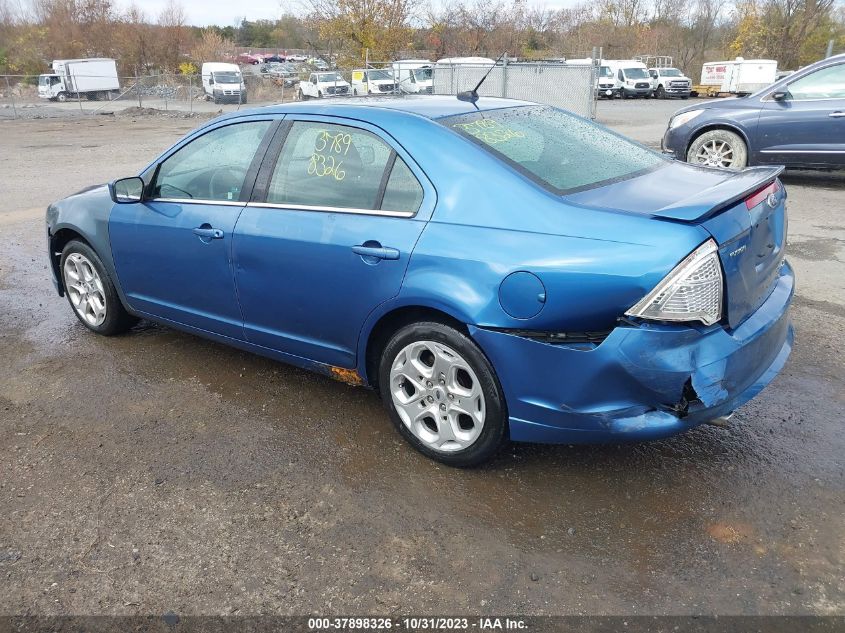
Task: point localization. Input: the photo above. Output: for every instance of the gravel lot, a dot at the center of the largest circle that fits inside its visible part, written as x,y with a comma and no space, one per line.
158,471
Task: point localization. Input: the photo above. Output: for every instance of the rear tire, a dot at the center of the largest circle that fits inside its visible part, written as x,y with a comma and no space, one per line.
442,394
718,148
90,291
61,97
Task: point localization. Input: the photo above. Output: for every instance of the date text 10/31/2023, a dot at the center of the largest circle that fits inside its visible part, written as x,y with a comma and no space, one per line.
417,624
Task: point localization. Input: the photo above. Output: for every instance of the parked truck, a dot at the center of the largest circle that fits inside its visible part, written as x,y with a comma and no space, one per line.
737,77
94,78
669,82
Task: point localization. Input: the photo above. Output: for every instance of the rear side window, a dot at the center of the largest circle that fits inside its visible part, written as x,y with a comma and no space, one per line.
327,165
558,150
403,191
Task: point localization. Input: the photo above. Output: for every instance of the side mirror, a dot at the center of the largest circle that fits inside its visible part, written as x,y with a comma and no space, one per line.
127,190
780,95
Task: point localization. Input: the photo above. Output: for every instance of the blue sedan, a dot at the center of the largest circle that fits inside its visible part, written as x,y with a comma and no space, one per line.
496,270
799,122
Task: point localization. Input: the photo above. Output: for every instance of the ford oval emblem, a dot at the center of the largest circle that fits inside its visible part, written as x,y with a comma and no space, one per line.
772,200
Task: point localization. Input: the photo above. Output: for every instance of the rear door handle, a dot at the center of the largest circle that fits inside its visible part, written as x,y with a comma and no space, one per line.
378,252
837,115
208,233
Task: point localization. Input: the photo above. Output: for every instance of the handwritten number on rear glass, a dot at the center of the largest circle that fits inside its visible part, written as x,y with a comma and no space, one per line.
329,152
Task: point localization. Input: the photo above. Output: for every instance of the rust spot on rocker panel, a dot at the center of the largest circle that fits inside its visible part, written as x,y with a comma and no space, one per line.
349,376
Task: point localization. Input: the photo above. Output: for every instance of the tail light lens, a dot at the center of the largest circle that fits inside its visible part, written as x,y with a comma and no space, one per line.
691,292
758,196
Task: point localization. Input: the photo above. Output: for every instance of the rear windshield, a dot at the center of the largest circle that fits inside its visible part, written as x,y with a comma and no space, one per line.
558,150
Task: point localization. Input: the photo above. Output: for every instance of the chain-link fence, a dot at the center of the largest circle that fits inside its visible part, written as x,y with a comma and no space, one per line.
565,86
20,96
570,87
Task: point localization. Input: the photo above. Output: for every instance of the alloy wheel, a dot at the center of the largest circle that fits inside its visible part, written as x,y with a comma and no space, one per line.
438,396
85,289
715,153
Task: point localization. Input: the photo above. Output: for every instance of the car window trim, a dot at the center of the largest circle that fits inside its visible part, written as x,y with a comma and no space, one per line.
328,209
272,157
385,178
250,176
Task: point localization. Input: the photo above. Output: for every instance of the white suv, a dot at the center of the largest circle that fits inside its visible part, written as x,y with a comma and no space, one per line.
319,85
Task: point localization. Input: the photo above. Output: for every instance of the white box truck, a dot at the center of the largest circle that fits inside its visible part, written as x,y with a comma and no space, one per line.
94,78
740,76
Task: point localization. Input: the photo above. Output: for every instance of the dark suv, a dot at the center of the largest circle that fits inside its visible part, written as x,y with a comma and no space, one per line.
798,121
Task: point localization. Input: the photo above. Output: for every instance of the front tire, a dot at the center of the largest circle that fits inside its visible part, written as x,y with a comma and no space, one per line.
719,148
442,394
90,291
661,93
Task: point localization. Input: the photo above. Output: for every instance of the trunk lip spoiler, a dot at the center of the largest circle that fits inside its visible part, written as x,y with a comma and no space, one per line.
731,190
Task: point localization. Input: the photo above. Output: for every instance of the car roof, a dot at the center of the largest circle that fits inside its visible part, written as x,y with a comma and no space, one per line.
429,106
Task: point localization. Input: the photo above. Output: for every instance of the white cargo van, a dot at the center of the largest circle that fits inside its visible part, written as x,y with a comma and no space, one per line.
414,76
94,78
740,76
223,82
606,84
633,77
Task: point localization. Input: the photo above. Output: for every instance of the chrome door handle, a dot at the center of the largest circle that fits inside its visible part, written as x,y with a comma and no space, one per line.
378,252
208,233
837,115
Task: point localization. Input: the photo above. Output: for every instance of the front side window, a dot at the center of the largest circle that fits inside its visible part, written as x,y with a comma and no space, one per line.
213,166
327,165
422,74
559,151
827,83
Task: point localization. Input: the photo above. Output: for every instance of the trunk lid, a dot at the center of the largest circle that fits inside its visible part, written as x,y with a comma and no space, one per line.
751,239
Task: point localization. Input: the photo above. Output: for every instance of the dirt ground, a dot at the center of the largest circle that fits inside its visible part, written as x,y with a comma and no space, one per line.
157,471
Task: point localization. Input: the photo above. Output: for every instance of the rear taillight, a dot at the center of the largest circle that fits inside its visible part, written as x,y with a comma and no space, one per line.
691,292
761,194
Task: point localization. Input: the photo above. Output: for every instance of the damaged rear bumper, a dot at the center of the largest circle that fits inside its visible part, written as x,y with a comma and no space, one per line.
641,382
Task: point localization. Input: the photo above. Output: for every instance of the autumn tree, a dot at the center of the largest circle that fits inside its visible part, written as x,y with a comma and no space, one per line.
381,27
212,47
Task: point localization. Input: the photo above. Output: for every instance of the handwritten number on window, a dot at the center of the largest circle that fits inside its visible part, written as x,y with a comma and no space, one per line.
329,150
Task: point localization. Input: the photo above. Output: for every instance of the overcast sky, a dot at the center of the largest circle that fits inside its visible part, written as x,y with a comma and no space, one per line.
204,12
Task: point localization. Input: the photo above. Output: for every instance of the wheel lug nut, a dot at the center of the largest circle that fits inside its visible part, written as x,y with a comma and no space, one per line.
443,407
451,396
442,382
429,384
431,398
